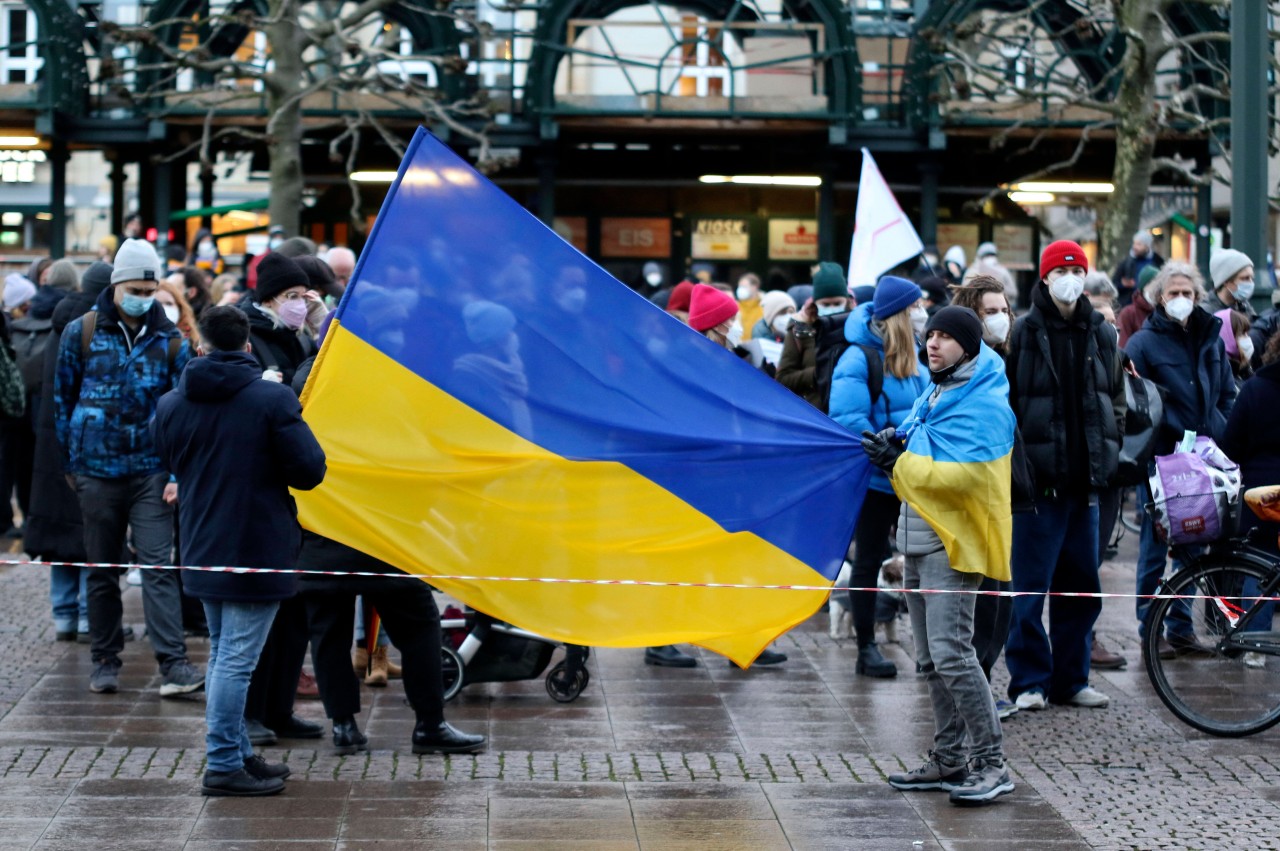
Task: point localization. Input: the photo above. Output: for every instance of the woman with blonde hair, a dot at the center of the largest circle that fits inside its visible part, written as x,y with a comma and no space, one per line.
876,382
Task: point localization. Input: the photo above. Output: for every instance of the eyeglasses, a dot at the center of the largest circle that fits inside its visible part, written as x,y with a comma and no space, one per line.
289,296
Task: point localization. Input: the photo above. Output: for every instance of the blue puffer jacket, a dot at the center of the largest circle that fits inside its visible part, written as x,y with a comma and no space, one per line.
1191,366
850,397
104,402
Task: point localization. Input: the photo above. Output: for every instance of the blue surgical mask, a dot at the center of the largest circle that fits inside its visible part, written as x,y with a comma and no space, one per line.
829,309
136,305
1244,290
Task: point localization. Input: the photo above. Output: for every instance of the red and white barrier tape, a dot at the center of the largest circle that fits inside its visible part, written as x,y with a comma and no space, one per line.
640,583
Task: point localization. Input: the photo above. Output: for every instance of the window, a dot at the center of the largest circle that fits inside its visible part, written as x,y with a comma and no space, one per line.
20,61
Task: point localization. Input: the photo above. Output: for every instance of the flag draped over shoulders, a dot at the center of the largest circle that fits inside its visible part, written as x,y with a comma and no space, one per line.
956,470
494,404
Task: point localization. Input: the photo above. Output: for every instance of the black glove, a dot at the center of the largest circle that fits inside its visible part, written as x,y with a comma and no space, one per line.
882,448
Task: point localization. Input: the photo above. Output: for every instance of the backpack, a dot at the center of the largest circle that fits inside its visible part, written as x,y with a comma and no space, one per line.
30,339
1142,420
90,324
829,346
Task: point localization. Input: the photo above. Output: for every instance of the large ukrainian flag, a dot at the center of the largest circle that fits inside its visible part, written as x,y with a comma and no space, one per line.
956,469
493,403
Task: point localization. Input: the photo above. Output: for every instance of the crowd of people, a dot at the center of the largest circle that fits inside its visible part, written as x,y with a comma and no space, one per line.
149,384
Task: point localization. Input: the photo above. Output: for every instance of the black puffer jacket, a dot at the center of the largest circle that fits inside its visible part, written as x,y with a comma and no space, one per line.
276,347
1039,396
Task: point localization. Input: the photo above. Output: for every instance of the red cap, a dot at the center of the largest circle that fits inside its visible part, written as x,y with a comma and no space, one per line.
679,298
708,307
1064,252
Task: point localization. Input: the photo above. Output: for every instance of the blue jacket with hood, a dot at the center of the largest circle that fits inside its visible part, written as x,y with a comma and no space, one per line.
104,400
851,398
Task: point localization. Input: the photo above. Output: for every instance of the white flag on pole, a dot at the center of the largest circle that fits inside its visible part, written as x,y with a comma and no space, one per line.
883,236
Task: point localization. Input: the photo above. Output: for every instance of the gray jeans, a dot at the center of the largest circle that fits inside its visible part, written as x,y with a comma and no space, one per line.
943,628
112,507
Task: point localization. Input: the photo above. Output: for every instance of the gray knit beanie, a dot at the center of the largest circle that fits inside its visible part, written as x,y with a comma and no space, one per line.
136,261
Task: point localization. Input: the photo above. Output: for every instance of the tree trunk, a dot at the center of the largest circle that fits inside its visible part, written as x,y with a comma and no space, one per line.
1136,132
284,108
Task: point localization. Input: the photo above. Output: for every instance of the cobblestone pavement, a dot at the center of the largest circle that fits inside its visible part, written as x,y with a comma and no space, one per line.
789,757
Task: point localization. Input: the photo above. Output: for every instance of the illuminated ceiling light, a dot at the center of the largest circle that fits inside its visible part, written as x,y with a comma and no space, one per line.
763,179
1066,188
373,176
19,141
1031,197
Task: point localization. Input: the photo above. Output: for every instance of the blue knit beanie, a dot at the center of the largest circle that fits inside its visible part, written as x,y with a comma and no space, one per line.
892,295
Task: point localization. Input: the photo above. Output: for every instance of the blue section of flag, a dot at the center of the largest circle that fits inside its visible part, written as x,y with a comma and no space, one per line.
466,289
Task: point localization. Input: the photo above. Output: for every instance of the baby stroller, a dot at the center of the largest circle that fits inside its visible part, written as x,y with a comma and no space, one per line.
480,649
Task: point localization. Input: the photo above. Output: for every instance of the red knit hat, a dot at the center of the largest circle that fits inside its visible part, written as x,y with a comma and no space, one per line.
679,298
1064,252
708,307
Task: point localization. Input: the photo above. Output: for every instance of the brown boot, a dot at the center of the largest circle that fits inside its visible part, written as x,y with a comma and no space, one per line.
394,671
377,668
1103,659
360,661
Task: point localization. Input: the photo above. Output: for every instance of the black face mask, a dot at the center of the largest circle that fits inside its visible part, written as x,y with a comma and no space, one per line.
938,376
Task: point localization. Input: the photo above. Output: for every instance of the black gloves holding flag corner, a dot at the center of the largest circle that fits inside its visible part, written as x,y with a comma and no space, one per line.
882,448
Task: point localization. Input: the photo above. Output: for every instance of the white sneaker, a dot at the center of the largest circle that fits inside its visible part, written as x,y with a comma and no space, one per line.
134,576
1089,697
1255,660
1031,701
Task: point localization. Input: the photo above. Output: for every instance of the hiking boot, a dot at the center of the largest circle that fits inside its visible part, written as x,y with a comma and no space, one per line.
987,780
360,661
1031,701
181,678
239,784
871,663
105,678
377,677
932,775
1103,659
263,770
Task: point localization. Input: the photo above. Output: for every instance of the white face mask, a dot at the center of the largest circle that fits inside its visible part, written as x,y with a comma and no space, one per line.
829,309
653,278
744,292
781,323
172,312
1245,344
997,327
1244,291
734,334
1179,308
1067,288
919,319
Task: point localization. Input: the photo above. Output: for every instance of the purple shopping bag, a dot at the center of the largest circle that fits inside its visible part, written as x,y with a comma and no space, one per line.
1194,493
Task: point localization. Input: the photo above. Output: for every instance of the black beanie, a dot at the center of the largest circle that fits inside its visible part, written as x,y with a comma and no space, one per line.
961,324
277,273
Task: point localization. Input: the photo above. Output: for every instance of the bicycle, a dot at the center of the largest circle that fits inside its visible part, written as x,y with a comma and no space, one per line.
1225,681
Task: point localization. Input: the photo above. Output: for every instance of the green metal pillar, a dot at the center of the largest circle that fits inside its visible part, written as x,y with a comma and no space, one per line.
1204,211
1249,116
827,213
58,198
163,203
929,173
547,186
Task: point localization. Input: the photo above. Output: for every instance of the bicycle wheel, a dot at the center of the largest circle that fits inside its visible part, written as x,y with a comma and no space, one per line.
1131,509
1212,684
452,672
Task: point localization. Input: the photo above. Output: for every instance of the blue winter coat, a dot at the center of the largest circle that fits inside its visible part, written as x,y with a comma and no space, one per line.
236,444
1191,366
850,397
103,402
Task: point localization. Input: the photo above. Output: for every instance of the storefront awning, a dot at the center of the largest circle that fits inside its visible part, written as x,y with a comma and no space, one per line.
198,212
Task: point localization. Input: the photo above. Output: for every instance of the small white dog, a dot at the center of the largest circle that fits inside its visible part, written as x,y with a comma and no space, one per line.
838,606
892,598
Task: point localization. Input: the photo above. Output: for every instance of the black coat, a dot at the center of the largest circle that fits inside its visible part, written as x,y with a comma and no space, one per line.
236,444
1039,400
276,348
1191,366
1252,440
54,529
